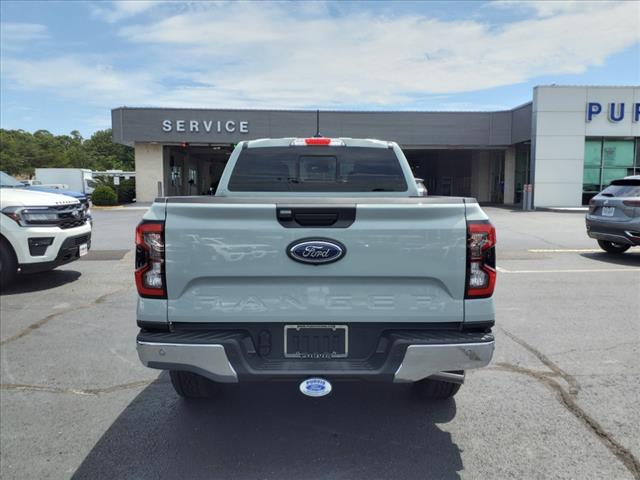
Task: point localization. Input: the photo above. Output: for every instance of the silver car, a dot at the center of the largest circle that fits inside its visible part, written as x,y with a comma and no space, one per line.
614,216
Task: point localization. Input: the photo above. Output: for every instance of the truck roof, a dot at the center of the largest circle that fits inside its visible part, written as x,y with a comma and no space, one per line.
318,141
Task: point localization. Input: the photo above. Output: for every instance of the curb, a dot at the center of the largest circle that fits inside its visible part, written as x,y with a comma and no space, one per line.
118,207
563,209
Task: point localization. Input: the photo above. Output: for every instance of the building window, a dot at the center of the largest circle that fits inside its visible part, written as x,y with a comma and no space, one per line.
607,159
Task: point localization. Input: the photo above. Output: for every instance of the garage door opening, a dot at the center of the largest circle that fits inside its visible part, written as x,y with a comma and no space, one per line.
194,170
460,173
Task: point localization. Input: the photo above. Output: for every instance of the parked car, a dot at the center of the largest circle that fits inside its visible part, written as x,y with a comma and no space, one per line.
53,186
81,197
614,216
316,260
28,183
39,231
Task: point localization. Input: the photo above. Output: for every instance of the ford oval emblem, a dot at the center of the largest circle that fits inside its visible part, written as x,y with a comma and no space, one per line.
315,387
316,251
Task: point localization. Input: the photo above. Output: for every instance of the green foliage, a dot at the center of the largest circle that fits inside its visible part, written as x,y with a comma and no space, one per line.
22,152
126,190
107,155
104,195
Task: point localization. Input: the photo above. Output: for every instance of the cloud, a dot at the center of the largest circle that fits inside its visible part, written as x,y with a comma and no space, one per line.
116,11
98,122
290,55
83,78
548,8
16,36
280,53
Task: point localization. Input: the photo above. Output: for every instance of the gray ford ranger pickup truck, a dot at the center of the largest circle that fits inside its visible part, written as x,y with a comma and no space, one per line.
317,260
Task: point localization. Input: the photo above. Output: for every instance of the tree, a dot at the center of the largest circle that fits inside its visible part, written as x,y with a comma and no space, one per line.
109,155
22,152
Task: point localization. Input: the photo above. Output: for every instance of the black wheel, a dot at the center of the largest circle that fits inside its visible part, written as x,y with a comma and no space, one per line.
191,385
8,265
611,247
436,389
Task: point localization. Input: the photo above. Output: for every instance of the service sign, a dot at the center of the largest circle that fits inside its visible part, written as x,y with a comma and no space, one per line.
206,126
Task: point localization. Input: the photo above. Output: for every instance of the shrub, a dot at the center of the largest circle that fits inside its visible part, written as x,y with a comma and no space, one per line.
104,195
126,190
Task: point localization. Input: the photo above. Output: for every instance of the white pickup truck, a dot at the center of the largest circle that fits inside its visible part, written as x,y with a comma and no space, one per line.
316,261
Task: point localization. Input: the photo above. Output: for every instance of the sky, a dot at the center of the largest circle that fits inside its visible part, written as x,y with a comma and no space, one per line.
65,65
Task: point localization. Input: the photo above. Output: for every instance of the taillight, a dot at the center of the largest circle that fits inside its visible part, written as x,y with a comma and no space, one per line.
317,141
481,260
631,203
150,275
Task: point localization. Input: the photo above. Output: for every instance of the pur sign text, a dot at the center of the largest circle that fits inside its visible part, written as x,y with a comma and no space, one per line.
615,111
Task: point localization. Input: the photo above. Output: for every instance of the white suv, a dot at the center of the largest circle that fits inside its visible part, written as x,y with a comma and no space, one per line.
38,231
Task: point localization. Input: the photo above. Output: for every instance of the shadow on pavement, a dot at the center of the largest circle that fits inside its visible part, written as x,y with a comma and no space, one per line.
631,258
36,282
271,431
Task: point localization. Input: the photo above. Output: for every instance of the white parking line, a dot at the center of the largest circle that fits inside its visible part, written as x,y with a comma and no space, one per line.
563,250
577,270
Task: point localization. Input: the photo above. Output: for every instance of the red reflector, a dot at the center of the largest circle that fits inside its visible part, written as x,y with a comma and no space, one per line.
317,141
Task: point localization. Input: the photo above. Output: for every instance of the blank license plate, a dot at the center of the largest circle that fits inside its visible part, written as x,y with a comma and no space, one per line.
83,250
608,211
316,341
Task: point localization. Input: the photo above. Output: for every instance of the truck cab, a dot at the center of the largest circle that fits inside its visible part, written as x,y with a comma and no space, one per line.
317,260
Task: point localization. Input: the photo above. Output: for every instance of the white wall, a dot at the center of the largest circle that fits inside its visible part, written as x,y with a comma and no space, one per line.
481,176
559,130
149,171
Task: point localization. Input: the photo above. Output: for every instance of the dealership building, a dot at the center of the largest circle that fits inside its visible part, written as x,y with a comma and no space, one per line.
568,142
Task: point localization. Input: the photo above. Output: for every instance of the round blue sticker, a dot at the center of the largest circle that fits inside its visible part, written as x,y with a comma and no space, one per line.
315,387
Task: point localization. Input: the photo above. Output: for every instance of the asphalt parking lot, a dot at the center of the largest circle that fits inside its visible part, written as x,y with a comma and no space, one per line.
560,399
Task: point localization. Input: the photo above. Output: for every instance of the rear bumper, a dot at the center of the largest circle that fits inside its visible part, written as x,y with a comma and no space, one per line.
208,360
401,356
626,233
422,361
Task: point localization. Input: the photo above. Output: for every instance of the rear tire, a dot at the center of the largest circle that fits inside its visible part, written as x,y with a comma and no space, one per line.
436,389
8,265
191,385
611,247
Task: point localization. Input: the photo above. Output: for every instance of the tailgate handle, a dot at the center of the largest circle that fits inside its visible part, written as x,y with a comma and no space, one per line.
316,217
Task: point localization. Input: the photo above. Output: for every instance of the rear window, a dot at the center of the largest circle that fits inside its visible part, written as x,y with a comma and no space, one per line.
317,169
623,188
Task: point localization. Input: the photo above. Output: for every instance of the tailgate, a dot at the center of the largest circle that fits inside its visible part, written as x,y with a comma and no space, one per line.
228,262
